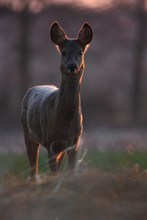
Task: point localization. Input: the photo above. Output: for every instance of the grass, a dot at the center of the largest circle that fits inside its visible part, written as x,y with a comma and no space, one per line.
94,192
117,160
109,160
17,164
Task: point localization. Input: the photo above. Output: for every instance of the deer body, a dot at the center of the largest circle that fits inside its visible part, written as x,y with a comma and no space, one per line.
52,116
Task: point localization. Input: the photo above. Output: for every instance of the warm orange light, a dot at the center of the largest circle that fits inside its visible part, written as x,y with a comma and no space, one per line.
59,157
95,3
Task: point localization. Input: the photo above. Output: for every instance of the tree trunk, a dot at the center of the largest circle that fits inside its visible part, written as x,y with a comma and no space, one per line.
138,58
24,50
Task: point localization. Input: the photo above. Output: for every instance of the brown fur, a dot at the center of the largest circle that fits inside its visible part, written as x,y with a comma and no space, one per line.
52,116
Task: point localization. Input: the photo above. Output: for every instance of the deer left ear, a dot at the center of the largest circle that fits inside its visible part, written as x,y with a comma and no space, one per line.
85,34
57,34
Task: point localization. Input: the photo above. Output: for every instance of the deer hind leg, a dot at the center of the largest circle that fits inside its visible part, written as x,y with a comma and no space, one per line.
31,146
33,154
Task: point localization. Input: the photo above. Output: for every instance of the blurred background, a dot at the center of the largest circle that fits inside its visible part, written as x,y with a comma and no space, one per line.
115,80
112,174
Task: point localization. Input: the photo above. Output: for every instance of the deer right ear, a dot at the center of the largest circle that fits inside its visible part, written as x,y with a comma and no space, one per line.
57,34
85,34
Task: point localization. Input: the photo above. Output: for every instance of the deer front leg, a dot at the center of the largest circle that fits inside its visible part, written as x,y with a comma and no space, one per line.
72,153
56,154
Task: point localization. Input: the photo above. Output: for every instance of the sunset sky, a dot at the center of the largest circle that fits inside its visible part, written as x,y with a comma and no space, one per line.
93,3
37,6
87,3
97,3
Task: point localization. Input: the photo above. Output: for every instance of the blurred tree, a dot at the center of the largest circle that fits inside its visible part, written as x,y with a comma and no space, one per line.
24,17
24,49
138,58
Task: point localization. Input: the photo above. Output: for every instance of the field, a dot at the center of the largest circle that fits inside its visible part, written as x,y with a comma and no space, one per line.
105,185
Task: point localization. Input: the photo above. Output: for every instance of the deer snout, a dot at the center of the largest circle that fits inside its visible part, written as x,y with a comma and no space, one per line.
72,68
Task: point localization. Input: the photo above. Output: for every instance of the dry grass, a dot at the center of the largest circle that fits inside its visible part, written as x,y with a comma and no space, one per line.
87,194
106,185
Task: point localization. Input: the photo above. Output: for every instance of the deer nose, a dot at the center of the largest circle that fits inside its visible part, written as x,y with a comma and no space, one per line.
71,68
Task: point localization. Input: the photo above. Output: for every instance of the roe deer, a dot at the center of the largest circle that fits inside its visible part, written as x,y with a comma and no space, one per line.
52,116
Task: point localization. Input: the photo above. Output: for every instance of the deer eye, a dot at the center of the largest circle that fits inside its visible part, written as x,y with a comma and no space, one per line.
63,53
81,53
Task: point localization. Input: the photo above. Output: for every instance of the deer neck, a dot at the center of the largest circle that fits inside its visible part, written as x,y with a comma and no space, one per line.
69,103
70,91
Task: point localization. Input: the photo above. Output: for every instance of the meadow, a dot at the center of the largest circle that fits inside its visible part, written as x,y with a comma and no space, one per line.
105,185
17,164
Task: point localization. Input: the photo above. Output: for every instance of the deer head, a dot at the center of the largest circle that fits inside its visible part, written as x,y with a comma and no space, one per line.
72,50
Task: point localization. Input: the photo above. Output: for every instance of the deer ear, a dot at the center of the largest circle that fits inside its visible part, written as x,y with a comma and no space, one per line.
57,34
85,34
